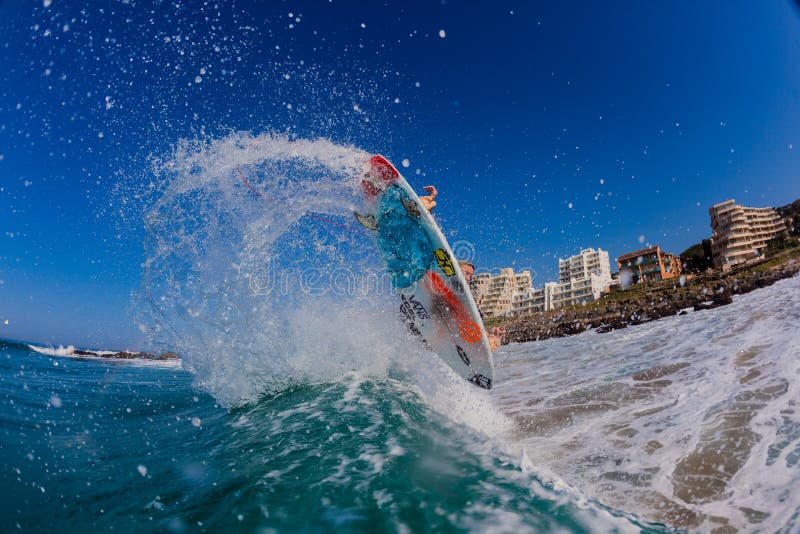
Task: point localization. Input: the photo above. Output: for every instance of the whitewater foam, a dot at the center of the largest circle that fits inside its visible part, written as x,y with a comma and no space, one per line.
696,430
53,351
255,270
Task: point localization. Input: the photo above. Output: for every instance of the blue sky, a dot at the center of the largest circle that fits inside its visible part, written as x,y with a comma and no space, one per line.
546,127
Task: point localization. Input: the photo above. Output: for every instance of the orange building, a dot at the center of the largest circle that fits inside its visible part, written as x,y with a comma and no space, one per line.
648,265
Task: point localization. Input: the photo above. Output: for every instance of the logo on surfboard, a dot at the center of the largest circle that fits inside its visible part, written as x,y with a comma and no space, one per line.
444,261
469,331
411,307
463,354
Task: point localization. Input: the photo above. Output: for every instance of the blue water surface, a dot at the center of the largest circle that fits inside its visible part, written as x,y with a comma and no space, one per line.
88,445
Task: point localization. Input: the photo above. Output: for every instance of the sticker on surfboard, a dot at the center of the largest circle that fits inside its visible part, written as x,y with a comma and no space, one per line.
436,303
444,261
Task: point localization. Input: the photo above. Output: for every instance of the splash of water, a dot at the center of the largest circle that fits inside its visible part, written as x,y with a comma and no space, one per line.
255,270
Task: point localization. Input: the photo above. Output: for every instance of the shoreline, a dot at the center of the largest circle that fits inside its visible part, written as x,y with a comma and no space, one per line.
70,351
642,305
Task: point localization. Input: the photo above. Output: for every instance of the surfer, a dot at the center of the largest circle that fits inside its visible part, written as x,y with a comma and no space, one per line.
496,333
429,201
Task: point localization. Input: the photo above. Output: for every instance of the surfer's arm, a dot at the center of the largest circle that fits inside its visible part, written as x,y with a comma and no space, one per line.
429,201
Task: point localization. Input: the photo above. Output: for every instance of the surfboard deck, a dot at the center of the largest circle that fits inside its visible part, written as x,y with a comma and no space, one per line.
435,301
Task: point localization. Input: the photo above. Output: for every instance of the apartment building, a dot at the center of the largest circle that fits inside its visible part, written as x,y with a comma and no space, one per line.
582,278
579,291
741,233
579,267
648,265
533,300
494,295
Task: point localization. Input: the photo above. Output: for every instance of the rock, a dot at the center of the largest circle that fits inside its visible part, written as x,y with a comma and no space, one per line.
723,299
124,355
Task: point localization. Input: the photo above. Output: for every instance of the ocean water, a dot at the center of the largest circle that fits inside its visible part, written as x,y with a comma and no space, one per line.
92,445
689,422
301,403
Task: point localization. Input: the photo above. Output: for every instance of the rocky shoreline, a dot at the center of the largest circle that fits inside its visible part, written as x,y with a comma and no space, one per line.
636,306
125,355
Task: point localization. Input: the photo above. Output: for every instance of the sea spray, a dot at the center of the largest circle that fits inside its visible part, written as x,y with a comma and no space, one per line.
256,271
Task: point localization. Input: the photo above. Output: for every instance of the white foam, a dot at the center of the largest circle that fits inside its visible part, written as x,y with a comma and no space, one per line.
582,416
52,351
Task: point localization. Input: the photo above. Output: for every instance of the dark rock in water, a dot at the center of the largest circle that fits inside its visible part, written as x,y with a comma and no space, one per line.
603,329
124,355
723,297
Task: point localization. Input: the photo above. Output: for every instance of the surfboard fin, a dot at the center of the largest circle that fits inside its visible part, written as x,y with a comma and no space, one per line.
481,381
367,221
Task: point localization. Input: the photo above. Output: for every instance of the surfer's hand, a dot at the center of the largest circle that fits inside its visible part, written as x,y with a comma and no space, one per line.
429,201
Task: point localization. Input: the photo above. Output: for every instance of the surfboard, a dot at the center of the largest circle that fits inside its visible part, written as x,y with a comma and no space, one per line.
436,304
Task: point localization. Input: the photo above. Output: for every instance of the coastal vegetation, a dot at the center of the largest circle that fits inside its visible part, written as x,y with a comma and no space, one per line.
697,258
791,212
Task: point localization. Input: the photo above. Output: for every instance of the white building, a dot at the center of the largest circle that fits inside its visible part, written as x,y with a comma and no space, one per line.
742,233
580,291
495,295
581,266
534,300
583,277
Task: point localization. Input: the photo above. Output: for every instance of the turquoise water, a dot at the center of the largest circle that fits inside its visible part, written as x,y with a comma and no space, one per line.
93,445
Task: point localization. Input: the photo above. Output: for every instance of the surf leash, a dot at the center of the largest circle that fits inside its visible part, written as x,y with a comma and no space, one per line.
245,182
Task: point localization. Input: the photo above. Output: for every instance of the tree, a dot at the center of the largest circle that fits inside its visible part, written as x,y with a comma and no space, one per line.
791,212
697,258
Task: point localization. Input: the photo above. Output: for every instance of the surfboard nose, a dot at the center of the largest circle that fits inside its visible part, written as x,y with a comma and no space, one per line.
379,175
